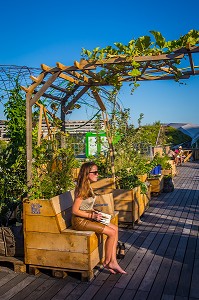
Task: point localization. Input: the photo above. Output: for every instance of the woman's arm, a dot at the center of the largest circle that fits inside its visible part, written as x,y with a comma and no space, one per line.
84,214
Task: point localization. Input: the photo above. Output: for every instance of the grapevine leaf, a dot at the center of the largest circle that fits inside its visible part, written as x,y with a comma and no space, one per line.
160,40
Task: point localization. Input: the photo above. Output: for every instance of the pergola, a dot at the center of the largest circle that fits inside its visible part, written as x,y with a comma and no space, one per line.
67,84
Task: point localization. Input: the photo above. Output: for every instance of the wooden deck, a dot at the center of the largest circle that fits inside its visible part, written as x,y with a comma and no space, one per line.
162,257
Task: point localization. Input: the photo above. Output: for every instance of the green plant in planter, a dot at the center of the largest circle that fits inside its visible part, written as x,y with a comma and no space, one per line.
102,161
126,179
161,160
52,168
141,165
167,166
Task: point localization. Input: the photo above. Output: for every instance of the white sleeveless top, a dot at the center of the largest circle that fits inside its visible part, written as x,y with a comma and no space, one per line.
87,204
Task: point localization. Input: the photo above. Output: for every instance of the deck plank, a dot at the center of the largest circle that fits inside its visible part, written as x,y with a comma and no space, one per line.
17,288
25,292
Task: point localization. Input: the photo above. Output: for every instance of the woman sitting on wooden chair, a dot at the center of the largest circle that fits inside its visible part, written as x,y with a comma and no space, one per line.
85,218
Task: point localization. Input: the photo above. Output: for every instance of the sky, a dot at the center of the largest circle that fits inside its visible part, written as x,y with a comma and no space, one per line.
36,32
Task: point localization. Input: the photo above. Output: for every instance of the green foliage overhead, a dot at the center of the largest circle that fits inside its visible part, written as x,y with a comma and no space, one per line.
142,46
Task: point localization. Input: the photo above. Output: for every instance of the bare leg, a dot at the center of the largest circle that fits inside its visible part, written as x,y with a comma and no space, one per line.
110,249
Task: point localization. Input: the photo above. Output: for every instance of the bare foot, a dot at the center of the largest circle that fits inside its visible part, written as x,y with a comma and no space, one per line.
117,269
110,269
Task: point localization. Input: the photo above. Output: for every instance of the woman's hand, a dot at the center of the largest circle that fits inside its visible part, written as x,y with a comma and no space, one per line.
96,215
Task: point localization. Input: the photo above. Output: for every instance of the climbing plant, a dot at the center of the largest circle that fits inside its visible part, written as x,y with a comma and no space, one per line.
13,156
52,163
142,46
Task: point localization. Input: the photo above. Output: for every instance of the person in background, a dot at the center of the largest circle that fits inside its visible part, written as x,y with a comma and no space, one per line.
85,218
176,151
171,154
180,155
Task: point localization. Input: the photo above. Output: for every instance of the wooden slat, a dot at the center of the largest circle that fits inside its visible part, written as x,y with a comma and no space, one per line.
66,242
70,260
49,96
17,288
64,76
119,60
76,98
99,100
31,88
43,89
41,224
73,73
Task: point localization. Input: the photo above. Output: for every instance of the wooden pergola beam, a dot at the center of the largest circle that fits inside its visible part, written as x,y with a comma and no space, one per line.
69,93
120,60
49,96
31,88
44,88
191,62
73,73
87,65
99,100
55,87
88,72
74,100
184,50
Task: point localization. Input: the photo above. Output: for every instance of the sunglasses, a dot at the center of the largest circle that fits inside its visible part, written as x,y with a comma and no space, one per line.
94,172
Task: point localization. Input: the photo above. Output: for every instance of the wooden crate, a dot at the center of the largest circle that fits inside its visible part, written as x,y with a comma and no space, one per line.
172,171
142,177
158,149
18,263
130,204
103,186
75,173
156,183
50,242
167,172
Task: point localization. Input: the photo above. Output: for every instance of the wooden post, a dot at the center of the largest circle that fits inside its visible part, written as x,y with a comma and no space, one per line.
29,103
63,125
40,124
110,142
29,139
107,128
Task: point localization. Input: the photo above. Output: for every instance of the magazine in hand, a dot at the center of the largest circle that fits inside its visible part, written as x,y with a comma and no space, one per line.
106,218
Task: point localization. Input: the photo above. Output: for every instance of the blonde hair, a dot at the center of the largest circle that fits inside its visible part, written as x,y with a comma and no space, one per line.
83,188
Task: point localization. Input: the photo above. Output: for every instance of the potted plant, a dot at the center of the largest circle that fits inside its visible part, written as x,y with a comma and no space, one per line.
128,196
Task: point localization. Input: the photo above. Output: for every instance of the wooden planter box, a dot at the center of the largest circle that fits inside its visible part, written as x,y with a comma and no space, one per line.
156,183
166,172
75,173
51,243
172,171
142,177
103,186
130,204
145,200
